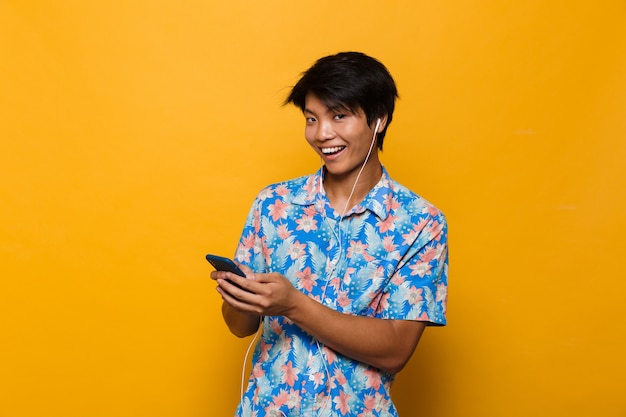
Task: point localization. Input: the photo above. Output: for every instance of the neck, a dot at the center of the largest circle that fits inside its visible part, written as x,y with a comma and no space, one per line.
340,188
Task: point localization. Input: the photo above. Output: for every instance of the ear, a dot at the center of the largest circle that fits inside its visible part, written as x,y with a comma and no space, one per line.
382,125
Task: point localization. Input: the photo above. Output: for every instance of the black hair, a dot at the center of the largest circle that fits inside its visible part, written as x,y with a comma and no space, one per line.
352,81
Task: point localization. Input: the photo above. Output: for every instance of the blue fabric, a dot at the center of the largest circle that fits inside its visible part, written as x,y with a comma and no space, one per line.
387,258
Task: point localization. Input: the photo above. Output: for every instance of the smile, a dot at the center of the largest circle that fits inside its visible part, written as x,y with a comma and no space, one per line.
330,151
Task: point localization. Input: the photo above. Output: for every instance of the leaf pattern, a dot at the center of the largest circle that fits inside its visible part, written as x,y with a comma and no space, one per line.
393,265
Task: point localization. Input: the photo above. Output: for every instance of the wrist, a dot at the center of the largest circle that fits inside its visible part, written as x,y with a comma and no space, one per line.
297,302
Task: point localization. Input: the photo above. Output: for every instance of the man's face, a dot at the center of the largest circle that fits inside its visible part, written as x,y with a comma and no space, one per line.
341,138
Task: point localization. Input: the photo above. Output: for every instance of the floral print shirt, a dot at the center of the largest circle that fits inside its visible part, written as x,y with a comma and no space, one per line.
386,258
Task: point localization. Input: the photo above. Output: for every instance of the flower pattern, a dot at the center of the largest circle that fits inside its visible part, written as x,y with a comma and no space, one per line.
386,258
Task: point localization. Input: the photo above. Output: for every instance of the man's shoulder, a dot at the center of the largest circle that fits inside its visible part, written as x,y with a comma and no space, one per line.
289,189
413,203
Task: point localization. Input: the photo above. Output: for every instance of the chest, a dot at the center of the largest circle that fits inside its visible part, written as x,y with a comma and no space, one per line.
345,264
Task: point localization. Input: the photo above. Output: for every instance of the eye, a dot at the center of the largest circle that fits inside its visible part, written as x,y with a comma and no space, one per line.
310,120
339,116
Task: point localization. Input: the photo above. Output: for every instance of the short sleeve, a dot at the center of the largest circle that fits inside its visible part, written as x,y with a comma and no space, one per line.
418,289
251,247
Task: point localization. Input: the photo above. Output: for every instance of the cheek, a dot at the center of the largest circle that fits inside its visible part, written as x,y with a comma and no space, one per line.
359,138
309,135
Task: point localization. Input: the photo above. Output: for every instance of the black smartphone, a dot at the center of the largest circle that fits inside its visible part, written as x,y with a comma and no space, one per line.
224,264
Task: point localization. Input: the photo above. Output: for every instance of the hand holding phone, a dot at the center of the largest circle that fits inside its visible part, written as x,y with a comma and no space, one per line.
224,264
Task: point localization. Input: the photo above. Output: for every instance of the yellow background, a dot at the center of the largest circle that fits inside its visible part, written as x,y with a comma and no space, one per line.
135,134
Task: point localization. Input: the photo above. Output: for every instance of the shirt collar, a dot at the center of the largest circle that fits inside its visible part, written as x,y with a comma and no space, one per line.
313,191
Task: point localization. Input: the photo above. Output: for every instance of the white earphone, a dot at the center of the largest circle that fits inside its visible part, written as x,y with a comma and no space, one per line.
377,125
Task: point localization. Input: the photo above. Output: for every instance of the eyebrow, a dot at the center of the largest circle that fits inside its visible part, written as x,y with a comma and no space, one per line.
333,109
309,112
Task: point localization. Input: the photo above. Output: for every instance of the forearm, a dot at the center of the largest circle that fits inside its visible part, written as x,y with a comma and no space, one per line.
385,344
241,324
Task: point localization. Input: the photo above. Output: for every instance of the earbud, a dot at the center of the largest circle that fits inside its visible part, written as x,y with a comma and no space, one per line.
377,125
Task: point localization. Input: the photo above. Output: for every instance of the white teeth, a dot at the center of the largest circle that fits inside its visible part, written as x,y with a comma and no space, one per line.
328,151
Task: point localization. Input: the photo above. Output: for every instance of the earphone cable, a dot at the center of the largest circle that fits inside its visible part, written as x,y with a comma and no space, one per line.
245,359
338,236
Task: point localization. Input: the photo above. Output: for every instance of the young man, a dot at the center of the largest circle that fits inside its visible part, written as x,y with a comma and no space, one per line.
344,268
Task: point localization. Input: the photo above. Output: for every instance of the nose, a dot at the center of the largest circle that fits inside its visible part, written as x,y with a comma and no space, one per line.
324,131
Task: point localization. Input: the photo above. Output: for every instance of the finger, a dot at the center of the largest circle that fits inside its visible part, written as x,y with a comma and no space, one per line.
267,278
245,269
249,283
234,301
235,285
222,275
